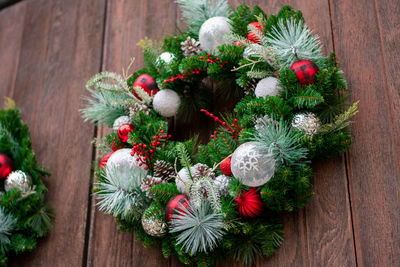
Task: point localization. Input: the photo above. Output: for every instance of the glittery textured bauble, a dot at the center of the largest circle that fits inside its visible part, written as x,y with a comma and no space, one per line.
212,33
269,86
221,182
154,226
123,157
306,122
225,166
121,121
5,166
252,166
123,132
252,37
165,58
148,84
105,159
183,179
249,204
175,205
305,71
17,179
166,103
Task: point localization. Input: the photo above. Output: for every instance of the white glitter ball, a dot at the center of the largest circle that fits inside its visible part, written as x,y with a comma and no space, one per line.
221,182
269,86
183,180
165,58
120,121
306,122
212,33
17,179
252,166
166,102
123,157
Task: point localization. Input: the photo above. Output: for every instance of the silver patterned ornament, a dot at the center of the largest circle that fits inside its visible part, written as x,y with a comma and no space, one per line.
165,58
153,222
17,179
212,33
252,165
269,86
306,122
221,183
123,157
166,102
121,121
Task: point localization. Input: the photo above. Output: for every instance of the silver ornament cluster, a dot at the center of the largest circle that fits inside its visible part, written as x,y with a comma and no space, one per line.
190,47
17,179
269,86
251,165
121,121
212,33
306,122
154,226
165,58
221,183
166,102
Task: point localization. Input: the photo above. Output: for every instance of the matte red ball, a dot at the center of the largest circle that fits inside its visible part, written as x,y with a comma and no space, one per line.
252,37
305,71
5,166
175,205
249,204
123,132
104,160
225,166
148,84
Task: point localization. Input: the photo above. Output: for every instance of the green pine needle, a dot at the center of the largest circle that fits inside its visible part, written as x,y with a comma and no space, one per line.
8,224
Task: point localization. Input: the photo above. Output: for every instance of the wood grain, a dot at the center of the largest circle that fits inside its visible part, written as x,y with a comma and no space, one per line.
366,40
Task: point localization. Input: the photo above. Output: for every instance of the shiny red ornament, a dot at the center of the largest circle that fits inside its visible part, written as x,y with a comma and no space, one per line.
104,160
148,84
114,147
305,71
249,203
252,37
175,205
123,132
5,166
225,166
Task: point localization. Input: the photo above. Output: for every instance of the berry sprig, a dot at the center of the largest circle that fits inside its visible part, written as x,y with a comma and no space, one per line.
146,153
233,128
217,60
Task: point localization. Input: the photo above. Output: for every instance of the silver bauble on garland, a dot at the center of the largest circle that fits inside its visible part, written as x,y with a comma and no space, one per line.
269,86
221,183
166,102
153,221
165,58
252,165
183,179
306,122
212,33
123,157
121,121
17,179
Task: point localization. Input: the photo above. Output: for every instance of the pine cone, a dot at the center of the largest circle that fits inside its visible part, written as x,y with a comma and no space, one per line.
163,169
136,108
251,85
190,47
148,183
201,170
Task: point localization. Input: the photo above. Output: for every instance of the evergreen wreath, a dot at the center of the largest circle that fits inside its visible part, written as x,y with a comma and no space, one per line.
201,201
24,214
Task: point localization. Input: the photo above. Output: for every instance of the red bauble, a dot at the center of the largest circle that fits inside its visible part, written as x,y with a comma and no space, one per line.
104,160
5,166
252,37
148,84
249,204
305,71
225,166
123,132
175,205
114,147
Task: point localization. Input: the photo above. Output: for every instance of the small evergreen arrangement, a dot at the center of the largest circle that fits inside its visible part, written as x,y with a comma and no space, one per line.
204,201
24,214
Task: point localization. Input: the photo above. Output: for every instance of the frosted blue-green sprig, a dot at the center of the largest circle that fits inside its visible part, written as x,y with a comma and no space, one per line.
8,224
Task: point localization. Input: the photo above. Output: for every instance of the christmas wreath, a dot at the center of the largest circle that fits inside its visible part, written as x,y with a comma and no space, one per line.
24,214
205,201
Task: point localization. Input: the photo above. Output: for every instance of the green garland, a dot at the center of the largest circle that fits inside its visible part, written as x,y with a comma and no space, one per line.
211,226
24,214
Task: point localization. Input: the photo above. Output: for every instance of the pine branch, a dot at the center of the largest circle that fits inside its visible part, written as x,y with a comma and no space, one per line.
8,224
341,121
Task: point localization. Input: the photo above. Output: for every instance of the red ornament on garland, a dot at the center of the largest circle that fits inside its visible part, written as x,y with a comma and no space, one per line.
123,132
249,203
225,166
175,205
252,37
148,84
305,71
104,160
5,166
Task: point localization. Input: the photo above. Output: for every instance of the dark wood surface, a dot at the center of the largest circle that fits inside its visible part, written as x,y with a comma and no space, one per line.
49,48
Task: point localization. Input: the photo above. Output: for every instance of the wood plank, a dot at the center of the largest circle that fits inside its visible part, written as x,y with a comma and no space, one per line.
60,48
367,42
127,22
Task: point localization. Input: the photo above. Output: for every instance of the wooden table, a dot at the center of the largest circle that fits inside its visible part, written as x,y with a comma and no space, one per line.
49,48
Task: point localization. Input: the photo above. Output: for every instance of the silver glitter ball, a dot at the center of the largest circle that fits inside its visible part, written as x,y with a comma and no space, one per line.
166,102
154,226
165,58
212,33
221,183
183,180
252,165
269,86
306,122
123,157
17,179
121,121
